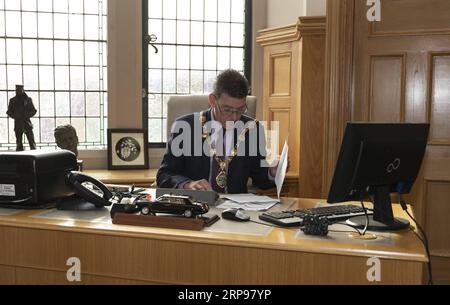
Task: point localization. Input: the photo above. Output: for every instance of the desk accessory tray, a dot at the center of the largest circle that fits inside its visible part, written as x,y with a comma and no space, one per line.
171,222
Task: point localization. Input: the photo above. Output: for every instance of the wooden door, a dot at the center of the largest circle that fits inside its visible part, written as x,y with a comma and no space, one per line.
401,73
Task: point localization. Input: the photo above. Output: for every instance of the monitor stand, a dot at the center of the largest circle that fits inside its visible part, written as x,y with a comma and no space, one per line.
383,218
75,203
360,223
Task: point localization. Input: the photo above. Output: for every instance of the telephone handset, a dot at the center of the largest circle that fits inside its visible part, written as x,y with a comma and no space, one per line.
76,179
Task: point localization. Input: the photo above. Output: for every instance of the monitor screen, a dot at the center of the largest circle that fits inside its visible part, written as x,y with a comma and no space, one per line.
377,159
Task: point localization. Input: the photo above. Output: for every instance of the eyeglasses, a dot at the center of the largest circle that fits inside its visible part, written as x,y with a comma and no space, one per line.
230,111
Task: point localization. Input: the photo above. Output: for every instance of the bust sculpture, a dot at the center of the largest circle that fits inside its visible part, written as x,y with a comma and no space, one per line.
66,138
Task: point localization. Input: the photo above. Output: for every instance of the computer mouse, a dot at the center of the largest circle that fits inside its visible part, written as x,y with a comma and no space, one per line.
235,214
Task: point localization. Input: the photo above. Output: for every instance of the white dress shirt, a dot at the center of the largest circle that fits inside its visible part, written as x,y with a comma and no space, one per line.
216,133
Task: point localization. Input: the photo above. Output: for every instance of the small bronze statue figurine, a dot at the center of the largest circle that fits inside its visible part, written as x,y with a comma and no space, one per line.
21,109
66,138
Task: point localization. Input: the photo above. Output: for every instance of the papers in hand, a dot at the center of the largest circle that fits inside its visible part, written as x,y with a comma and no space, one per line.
247,202
282,166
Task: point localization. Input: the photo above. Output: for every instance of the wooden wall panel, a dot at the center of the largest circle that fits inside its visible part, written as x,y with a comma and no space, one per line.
437,217
32,276
439,111
416,87
437,211
408,17
441,270
280,74
282,116
7,275
386,102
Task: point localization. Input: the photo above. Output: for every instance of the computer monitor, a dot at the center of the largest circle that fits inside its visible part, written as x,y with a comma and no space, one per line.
377,159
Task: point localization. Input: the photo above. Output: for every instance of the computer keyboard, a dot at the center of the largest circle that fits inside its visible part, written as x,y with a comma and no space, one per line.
294,218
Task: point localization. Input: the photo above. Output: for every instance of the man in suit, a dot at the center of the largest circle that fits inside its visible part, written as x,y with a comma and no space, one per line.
219,148
21,109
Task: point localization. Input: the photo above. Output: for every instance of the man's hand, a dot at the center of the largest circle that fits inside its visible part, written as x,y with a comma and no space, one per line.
273,169
201,185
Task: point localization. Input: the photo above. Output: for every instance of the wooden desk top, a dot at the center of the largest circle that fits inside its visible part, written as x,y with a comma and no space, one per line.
401,246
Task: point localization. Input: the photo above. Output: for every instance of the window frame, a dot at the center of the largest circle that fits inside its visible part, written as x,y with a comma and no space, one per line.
145,61
101,43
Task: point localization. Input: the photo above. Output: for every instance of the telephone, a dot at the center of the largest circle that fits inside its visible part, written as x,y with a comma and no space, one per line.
79,182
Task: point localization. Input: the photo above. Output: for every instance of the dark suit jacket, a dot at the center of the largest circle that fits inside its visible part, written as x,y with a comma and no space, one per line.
176,170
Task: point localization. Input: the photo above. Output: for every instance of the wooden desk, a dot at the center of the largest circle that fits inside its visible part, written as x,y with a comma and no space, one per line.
146,177
35,250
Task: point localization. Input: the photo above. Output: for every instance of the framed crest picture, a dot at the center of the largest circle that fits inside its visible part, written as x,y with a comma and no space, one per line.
127,149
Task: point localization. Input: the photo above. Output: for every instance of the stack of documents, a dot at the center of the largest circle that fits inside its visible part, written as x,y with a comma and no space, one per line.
247,202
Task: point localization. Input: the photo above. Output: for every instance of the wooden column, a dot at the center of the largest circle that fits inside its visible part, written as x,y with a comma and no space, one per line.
338,80
293,95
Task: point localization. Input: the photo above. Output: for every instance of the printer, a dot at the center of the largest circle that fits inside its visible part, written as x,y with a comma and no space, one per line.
35,179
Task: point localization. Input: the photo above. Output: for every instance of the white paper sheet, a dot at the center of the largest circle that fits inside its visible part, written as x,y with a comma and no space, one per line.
248,206
282,166
246,198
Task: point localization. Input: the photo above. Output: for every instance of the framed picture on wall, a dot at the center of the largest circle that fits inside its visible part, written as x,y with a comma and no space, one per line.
127,149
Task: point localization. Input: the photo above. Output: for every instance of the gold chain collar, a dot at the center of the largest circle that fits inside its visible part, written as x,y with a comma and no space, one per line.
241,138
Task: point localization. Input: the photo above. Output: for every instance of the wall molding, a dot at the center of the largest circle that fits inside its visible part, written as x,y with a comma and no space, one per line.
373,33
292,32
